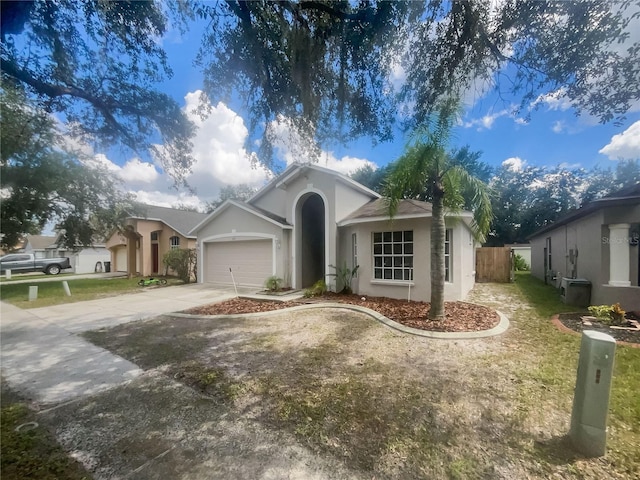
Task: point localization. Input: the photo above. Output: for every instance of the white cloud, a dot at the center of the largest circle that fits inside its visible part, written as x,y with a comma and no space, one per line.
558,126
218,149
291,145
515,164
554,101
137,171
625,145
166,198
345,165
485,122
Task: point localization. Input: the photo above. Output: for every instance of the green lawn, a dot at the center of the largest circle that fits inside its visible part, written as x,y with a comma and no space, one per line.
52,293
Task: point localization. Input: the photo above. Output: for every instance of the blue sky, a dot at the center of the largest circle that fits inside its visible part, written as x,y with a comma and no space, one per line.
553,136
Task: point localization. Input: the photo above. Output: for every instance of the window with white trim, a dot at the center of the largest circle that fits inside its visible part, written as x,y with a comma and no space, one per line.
354,253
393,255
174,242
447,255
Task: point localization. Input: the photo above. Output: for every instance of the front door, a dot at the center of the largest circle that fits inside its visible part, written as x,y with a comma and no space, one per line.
154,257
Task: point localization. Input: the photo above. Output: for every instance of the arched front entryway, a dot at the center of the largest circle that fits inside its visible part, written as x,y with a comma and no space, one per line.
310,238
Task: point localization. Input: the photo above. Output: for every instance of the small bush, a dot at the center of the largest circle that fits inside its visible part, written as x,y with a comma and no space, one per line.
519,263
344,276
319,288
273,284
182,261
609,314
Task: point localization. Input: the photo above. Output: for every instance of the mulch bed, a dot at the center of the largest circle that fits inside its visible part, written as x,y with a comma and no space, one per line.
573,322
460,316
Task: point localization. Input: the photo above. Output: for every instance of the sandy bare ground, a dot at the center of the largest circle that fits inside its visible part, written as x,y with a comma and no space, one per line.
330,394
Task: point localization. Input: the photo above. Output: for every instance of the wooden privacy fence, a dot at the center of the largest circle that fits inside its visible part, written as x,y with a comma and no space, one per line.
494,264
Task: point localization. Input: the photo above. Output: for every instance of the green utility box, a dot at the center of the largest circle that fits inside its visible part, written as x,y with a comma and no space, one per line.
593,388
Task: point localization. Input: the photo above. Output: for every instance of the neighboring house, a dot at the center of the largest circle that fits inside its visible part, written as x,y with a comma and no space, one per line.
83,259
599,243
38,245
148,235
310,218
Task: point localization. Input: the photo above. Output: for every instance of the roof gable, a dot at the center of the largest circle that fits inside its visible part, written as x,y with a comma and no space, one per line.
258,212
294,170
378,209
182,221
39,242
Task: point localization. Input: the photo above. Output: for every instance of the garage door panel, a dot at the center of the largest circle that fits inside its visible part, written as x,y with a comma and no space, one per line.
121,259
251,262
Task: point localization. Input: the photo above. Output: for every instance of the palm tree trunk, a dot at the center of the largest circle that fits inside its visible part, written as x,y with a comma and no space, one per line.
438,231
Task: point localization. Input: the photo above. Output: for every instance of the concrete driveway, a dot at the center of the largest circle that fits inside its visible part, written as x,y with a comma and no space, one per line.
45,360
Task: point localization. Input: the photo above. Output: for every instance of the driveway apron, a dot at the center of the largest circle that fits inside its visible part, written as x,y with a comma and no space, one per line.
44,359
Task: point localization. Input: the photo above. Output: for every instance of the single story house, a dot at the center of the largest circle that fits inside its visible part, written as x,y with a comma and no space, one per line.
83,259
598,243
310,219
149,234
38,245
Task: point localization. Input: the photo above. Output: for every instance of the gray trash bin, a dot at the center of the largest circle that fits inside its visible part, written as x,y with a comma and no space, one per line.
107,266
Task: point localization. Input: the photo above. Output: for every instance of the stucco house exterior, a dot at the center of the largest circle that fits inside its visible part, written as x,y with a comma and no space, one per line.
87,259
309,219
149,234
599,243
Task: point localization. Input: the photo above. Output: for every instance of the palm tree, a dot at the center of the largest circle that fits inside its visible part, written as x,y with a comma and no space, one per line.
426,169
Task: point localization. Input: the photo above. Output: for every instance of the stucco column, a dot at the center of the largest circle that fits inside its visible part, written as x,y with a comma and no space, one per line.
619,255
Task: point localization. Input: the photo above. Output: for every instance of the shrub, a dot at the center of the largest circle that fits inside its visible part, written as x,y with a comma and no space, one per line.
519,263
319,288
273,284
609,314
344,275
182,261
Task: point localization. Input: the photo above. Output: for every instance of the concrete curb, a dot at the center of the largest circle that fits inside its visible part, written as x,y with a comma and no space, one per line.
502,326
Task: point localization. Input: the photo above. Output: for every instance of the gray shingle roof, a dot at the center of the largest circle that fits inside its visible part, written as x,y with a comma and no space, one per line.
40,242
181,221
380,208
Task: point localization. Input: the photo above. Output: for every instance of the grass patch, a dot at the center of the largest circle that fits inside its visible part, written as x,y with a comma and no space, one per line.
31,453
52,293
555,372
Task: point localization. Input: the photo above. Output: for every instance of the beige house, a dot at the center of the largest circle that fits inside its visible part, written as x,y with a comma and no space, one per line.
309,219
597,243
148,235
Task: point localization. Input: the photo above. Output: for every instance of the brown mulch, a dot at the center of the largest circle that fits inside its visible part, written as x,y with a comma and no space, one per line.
460,316
574,322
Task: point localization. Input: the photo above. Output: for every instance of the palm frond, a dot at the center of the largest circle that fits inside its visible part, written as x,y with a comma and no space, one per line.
480,200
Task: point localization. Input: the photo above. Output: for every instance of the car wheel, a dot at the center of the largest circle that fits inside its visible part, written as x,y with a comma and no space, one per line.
53,270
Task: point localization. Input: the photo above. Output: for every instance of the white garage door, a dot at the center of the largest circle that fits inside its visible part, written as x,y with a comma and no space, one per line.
121,259
251,262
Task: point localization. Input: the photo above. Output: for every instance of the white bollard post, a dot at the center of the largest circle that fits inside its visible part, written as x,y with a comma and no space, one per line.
7,274
65,286
33,293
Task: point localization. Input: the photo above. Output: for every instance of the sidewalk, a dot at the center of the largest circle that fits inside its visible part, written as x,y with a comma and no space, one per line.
43,357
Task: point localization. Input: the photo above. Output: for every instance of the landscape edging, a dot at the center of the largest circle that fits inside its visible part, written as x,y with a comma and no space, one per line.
502,326
555,320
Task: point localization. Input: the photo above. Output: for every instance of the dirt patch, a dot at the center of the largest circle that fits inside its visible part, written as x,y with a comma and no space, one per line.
573,321
366,401
460,316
